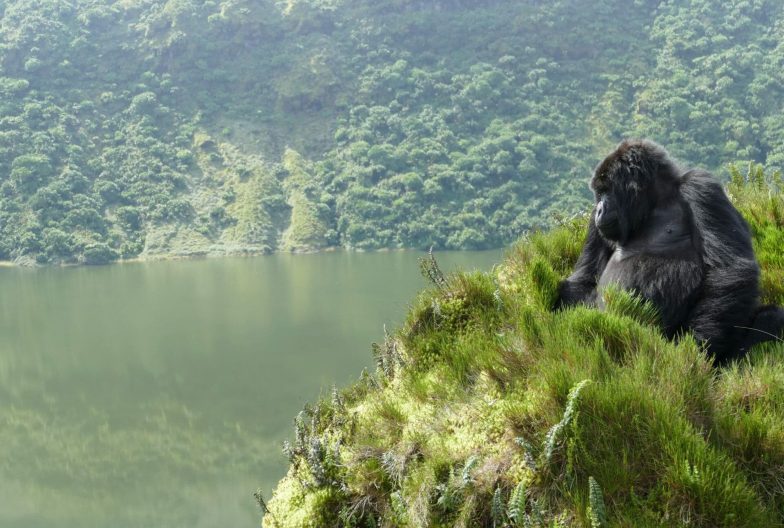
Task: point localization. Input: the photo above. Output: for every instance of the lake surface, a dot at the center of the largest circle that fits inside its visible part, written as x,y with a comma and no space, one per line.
158,394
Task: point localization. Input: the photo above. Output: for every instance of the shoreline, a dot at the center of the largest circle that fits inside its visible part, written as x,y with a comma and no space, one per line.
208,255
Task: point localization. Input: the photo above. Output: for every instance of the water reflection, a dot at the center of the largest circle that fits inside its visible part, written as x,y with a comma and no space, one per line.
158,394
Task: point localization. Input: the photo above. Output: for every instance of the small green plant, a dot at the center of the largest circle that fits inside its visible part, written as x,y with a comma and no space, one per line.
388,356
497,510
262,504
555,434
449,494
596,511
516,510
399,508
469,466
432,271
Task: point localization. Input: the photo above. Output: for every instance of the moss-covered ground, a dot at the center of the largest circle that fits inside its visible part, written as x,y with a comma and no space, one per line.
489,410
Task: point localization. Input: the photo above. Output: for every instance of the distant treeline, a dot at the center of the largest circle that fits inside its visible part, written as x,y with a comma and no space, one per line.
143,128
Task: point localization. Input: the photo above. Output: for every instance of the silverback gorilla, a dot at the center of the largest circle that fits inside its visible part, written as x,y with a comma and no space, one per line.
674,238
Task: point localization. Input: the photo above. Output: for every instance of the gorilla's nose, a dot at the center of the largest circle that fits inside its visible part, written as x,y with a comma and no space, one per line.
599,212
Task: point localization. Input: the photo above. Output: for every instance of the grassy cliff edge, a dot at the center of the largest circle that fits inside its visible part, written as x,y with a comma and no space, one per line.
489,410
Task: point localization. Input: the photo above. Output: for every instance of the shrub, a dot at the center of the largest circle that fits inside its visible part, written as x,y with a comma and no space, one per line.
96,254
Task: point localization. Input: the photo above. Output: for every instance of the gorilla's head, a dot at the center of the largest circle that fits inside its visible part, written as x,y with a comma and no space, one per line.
628,184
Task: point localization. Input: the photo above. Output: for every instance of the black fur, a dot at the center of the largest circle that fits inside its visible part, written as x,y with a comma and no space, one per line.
674,238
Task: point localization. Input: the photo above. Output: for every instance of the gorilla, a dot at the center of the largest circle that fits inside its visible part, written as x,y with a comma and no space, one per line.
673,238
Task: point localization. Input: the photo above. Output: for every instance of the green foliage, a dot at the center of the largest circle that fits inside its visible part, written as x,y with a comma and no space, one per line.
445,124
556,432
309,228
497,511
431,271
624,303
596,511
517,506
546,281
489,418
99,254
759,195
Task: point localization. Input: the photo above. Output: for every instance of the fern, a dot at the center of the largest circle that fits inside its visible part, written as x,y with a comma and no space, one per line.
497,511
387,355
467,468
556,431
449,496
596,510
537,515
528,453
398,508
517,502
337,401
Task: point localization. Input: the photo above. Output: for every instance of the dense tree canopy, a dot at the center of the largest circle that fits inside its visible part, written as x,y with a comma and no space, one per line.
151,127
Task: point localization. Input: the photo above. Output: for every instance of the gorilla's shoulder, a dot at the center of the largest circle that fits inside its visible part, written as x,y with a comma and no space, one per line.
725,234
695,179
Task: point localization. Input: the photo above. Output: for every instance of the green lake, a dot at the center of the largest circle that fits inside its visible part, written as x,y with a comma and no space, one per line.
158,394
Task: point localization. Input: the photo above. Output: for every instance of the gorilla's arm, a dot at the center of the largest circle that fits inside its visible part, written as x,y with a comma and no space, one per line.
580,287
730,288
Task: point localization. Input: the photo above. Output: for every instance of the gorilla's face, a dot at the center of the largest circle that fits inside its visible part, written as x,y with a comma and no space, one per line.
607,217
628,184
623,201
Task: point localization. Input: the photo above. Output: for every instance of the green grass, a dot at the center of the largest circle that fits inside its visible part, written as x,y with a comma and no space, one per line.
489,410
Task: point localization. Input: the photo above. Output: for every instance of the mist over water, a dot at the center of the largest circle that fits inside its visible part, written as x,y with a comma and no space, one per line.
158,394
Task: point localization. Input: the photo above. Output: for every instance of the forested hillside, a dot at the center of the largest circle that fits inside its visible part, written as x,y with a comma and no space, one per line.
141,128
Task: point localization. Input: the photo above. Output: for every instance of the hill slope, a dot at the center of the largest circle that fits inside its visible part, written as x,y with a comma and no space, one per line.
489,410
145,128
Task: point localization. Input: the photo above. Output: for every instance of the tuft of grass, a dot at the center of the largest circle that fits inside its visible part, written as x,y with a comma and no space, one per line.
627,304
481,412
